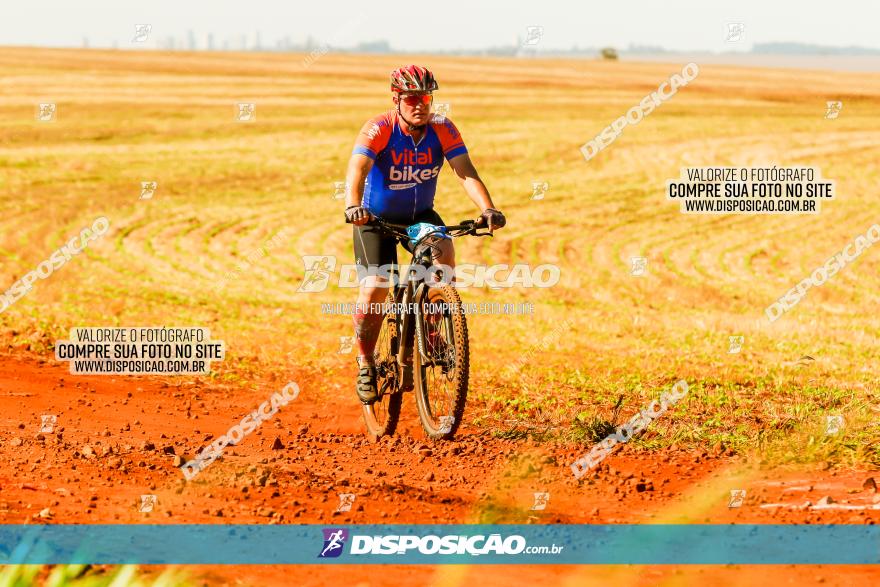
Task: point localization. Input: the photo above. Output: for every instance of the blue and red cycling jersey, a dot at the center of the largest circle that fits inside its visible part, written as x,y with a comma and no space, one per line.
403,179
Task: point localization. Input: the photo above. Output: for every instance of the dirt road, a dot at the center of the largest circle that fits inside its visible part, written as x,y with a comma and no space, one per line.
116,439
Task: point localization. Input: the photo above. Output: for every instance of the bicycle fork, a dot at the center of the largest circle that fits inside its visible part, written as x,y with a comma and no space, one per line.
411,328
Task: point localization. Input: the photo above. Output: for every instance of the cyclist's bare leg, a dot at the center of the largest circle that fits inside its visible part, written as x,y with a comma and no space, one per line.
367,320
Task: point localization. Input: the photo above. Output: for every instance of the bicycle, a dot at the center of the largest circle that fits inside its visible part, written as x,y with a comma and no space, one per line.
433,321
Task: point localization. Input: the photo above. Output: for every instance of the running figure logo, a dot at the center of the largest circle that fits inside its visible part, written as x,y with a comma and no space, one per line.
737,496
47,424
339,190
345,344
141,32
639,266
441,111
148,502
247,112
148,188
833,425
346,500
334,542
735,32
736,344
832,109
541,501
46,112
534,34
318,269
539,188
446,423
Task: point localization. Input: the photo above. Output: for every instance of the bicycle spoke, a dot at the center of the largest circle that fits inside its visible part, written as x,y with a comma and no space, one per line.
440,371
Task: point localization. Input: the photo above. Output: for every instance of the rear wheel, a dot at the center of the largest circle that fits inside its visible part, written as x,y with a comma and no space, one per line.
381,417
441,377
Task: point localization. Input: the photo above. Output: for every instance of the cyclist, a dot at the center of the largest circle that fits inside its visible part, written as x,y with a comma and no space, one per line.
392,174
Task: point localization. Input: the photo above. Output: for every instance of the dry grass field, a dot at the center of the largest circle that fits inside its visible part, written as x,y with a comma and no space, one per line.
225,188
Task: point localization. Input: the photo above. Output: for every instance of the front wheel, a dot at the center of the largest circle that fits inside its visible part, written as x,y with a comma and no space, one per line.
441,376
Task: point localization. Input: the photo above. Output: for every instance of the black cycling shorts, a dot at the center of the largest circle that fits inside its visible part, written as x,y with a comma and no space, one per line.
374,248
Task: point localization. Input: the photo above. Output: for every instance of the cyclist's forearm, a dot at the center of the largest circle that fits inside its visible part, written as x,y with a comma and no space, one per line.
477,192
358,169
471,182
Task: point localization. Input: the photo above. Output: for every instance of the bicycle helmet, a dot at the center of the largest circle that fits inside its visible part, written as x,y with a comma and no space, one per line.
412,78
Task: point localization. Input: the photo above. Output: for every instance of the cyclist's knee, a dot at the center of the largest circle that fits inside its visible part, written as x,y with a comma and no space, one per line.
374,287
444,254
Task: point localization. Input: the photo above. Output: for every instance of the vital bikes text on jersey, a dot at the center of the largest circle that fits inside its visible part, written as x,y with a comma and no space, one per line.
403,179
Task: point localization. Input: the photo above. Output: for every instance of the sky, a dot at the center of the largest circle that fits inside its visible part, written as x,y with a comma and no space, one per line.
447,24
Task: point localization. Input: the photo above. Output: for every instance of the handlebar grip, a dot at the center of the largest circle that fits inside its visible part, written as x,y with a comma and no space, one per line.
370,222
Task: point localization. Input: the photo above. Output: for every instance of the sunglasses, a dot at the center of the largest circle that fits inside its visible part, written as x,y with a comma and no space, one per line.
416,99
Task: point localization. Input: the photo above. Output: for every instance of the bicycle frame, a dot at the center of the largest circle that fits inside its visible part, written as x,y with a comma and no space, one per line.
409,291
440,402
412,292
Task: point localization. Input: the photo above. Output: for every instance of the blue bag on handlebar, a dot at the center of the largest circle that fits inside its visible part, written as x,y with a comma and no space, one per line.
422,229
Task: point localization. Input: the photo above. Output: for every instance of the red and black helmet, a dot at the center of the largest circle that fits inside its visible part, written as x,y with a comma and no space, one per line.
412,78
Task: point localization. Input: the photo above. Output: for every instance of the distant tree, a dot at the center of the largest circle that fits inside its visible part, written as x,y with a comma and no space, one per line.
381,46
608,53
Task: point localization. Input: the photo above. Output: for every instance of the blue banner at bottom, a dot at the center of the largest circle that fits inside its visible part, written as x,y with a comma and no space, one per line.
439,544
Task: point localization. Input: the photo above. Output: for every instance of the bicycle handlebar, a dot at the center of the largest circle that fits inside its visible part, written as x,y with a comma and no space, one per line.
468,226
